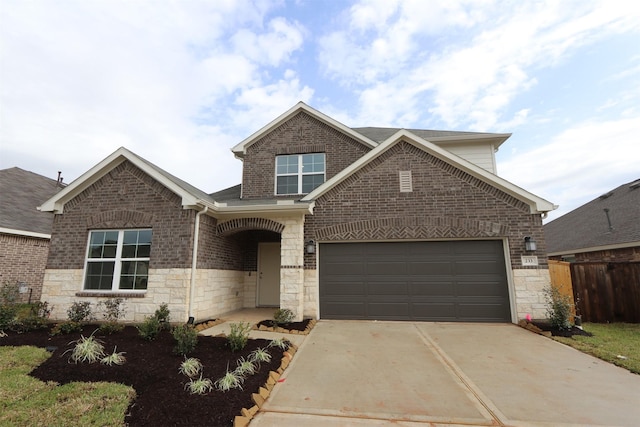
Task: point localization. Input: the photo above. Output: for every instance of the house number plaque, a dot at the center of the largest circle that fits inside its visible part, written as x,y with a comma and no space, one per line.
529,261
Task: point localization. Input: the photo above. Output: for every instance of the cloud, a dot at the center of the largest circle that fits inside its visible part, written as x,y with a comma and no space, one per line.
413,53
578,164
89,77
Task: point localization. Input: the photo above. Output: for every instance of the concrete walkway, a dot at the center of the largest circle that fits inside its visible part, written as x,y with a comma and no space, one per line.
352,373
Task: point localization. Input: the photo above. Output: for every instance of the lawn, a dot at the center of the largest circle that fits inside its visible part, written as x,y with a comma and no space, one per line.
25,400
617,343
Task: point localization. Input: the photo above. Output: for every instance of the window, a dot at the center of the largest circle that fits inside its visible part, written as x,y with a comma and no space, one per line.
118,260
299,173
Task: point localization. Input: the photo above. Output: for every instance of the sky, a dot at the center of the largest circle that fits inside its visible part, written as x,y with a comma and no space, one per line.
181,82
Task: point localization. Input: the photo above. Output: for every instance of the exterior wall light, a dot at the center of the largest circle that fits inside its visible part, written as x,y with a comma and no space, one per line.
310,247
529,244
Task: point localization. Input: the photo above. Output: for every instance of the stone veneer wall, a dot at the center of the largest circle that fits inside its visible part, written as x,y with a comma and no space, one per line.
529,295
165,286
217,292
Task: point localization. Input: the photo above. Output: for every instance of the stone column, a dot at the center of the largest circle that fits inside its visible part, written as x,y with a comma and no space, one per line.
292,266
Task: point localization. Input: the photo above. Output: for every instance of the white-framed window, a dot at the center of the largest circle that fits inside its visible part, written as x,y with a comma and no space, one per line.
299,173
117,260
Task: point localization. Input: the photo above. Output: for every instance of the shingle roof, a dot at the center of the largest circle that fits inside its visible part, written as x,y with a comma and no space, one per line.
21,192
588,227
381,134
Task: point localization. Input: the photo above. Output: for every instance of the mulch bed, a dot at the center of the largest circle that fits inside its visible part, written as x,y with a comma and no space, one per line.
291,326
541,326
152,370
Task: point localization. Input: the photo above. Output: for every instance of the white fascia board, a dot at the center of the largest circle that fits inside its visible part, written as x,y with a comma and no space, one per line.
496,139
24,233
596,248
537,204
221,209
56,203
240,149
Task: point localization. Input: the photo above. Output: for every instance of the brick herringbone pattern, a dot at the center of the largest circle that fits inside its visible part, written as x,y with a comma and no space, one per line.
242,224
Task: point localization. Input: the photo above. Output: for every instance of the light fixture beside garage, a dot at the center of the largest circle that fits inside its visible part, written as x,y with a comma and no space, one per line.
310,246
529,244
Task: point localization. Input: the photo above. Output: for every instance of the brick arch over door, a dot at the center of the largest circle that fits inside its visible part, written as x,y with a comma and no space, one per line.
412,228
242,224
120,219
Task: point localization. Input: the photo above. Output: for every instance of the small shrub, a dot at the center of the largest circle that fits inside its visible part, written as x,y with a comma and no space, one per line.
66,328
281,343
260,355
8,309
150,328
239,335
114,310
31,317
163,314
283,315
186,339
114,358
191,367
559,307
199,386
86,349
9,293
229,381
245,367
80,312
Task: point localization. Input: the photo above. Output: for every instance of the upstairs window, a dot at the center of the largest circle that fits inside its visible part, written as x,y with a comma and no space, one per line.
118,260
299,173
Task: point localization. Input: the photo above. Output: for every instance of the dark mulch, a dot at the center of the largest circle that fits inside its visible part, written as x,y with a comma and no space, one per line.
152,370
556,332
292,326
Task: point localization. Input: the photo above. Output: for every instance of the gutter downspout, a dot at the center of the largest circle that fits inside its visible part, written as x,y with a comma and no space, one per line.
194,260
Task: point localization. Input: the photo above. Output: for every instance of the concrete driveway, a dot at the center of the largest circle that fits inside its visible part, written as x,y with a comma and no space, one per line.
360,373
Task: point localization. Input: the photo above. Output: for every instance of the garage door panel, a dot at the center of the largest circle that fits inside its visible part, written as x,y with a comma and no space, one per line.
387,288
425,267
432,281
389,310
435,288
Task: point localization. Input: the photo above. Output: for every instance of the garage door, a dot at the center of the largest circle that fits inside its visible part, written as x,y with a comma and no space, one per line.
453,281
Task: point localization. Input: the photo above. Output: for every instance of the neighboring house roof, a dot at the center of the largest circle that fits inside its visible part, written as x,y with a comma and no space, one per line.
21,192
536,204
587,229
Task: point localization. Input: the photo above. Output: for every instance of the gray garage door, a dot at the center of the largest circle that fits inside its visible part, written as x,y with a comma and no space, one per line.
463,281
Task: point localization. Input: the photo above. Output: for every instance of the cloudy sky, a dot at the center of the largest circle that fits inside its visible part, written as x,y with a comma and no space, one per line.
180,83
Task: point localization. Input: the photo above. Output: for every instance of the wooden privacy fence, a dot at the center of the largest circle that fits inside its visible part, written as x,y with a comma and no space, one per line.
607,291
560,273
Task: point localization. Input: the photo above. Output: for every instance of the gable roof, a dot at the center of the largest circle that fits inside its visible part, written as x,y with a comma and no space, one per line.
240,149
536,204
190,195
586,228
22,191
192,198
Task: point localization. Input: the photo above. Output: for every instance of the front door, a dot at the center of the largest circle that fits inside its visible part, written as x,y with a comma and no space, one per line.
269,274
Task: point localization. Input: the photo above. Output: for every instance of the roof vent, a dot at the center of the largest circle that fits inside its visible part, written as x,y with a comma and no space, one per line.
634,184
606,195
406,184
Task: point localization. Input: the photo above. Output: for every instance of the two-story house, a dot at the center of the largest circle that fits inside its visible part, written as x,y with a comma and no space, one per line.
329,221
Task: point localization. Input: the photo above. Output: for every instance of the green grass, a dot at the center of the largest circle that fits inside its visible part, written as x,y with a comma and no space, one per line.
609,341
26,401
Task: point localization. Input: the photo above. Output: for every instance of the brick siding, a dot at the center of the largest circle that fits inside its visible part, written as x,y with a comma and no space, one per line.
126,197
23,259
301,134
446,203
